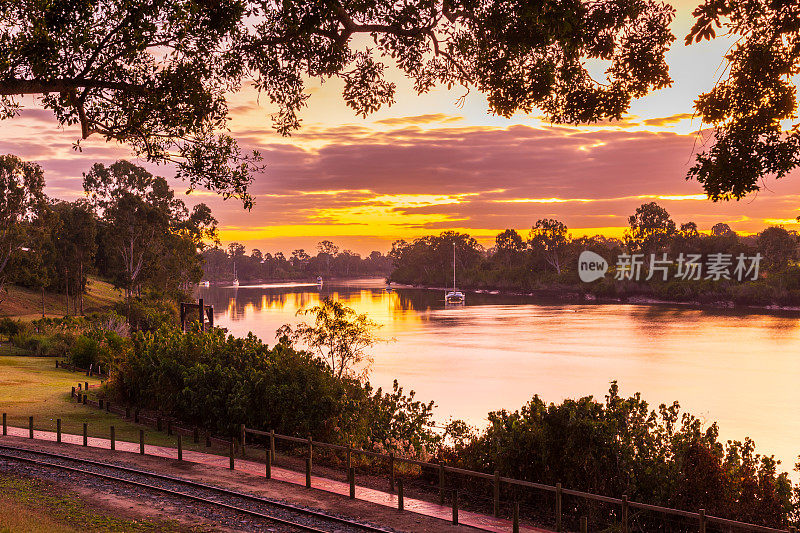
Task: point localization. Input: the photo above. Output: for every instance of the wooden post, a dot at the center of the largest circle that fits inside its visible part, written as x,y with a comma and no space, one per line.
308,472
310,450
268,462
85,397
87,385
244,438
272,444
58,430
113,439
100,403
702,521
624,513
515,518
108,406
85,434
201,315
558,507
391,472
352,476
496,507
79,386
230,454
5,426
455,507
180,447
141,441
30,427
400,503
72,395
584,525
349,455
196,435
441,484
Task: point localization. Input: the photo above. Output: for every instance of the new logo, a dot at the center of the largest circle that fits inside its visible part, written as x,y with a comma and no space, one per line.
591,266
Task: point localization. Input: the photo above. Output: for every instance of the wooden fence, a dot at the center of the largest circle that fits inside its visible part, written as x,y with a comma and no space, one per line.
392,460
700,517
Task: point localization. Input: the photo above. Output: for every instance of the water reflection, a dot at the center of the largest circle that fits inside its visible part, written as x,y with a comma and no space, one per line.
738,368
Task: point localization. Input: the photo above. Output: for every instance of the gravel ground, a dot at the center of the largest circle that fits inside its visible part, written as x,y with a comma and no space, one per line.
218,518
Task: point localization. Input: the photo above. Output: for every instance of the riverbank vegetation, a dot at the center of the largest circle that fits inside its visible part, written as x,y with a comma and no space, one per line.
546,262
329,261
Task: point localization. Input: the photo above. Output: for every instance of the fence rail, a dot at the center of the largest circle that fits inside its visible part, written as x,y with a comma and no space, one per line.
700,516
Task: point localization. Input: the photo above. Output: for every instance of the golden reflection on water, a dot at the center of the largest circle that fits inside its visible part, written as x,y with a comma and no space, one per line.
737,368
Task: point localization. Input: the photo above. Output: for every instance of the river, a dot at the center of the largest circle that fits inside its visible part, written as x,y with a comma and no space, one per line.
737,368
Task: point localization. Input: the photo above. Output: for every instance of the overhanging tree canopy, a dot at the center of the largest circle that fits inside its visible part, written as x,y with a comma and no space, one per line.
155,74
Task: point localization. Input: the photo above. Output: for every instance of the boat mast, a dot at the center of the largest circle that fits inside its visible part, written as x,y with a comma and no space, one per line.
454,267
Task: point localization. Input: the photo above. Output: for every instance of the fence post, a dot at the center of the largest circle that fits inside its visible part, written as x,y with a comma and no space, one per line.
624,513
230,455
100,403
349,454
268,462
496,512
400,503
208,439
515,523
87,385
180,447
584,525
85,397
272,444
113,439
558,507
79,386
196,435
58,430
72,395
310,450
308,472
391,472
352,472
30,427
455,507
244,441
85,434
141,441
108,406
702,521
441,484
5,426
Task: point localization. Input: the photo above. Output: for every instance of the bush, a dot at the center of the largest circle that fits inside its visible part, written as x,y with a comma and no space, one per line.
9,327
38,345
219,382
84,351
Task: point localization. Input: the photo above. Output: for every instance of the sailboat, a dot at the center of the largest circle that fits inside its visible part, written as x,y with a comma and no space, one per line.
454,297
235,279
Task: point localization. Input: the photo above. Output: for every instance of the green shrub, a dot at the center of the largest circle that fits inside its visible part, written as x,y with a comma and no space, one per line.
9,327
85,351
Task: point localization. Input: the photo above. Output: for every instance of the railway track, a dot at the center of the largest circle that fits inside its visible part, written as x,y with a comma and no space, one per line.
289,517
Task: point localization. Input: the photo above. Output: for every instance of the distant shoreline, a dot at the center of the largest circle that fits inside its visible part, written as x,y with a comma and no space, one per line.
576,296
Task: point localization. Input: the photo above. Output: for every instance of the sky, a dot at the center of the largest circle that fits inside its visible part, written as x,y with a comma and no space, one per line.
426,164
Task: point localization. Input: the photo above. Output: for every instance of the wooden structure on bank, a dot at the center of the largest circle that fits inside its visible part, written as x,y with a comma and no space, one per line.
200,311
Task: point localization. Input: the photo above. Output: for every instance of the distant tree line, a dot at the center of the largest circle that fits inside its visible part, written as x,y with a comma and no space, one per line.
258,265
129,229
547,260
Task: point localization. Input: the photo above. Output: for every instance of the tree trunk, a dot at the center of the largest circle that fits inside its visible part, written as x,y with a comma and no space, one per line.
80,284
66,287
43,314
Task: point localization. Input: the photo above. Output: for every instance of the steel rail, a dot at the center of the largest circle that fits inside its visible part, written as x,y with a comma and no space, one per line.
264,501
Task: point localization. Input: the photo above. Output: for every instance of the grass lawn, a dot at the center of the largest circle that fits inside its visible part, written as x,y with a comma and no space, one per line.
26,304
33,386
32,505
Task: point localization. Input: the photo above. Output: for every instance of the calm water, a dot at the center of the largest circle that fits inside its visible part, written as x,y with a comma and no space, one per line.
742,370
